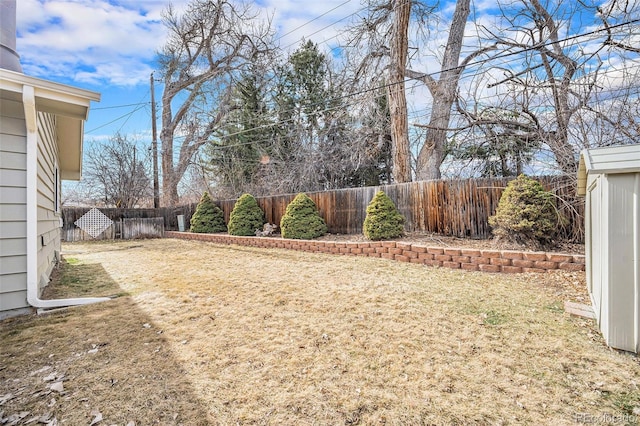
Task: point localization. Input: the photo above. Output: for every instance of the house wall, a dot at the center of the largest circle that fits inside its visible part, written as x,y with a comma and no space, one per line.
49,215
13,225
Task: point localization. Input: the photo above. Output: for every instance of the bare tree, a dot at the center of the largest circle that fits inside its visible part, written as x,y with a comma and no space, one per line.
208,44
560,91
541,40
560,81
444,92
378,53
390,21
115,173
619,9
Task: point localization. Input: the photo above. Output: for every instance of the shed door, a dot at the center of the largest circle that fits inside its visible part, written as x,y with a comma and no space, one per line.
595,235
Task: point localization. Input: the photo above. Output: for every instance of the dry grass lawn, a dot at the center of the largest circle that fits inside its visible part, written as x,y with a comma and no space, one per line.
202,334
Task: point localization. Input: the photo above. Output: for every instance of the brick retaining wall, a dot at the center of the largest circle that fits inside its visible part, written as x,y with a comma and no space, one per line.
506,261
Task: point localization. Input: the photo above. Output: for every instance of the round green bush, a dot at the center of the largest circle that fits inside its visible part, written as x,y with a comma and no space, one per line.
208,218
246,217
383,219
302,220
526,213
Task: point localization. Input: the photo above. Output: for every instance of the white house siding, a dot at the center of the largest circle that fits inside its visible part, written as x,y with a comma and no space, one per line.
13,225
48,189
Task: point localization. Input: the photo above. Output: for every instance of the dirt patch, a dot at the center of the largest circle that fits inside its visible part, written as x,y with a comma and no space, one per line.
212,334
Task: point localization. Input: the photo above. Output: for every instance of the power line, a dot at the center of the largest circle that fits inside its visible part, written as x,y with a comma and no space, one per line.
384,86
126,116
416,84
313,20
118,106
140,105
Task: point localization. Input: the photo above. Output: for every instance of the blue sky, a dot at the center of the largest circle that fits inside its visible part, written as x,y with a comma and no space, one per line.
109,46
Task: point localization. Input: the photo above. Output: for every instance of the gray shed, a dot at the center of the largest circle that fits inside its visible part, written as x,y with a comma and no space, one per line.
609,178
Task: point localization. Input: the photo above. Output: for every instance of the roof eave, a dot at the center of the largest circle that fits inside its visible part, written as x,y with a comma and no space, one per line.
71,107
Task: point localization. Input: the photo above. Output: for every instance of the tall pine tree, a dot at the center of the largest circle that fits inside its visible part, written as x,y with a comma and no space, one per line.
245,139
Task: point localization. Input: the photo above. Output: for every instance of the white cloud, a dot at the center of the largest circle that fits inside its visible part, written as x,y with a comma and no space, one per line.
90,41
115,42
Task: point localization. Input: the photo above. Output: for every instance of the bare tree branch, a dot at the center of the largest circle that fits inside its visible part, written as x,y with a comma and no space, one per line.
207,45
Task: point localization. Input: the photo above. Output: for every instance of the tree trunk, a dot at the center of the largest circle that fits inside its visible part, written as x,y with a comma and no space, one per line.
432,152
169,183
443,92
396,93
563,152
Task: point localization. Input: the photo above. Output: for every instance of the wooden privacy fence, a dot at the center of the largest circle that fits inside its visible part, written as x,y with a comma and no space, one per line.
458,208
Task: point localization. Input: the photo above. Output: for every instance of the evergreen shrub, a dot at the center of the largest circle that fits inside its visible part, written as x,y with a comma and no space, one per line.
526,214
383,219
246,217
208,218
302,219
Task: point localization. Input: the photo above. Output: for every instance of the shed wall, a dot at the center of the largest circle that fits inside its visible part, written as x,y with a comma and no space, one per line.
612,235
622,257
13,209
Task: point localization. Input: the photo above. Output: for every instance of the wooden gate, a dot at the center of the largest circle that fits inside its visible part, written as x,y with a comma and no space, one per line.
126,228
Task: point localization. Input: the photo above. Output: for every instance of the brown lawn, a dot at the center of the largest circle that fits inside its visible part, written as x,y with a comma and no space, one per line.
205,334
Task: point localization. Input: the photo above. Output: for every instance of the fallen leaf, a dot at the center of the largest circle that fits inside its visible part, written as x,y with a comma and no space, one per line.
5,398
42,370
97,419
51,377
15,418
45,418
57,386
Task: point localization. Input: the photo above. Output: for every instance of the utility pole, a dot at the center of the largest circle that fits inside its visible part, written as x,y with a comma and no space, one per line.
154,148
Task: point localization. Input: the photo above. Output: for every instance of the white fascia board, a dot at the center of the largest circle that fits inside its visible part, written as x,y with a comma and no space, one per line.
56,98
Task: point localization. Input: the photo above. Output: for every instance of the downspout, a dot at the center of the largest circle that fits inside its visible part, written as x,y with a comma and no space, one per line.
29,102
9,58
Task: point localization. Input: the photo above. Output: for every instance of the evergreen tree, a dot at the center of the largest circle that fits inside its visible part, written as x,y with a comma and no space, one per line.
302,219
526,213
246,217
300,105
383,219
208,218
307,88
234,159
502,147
